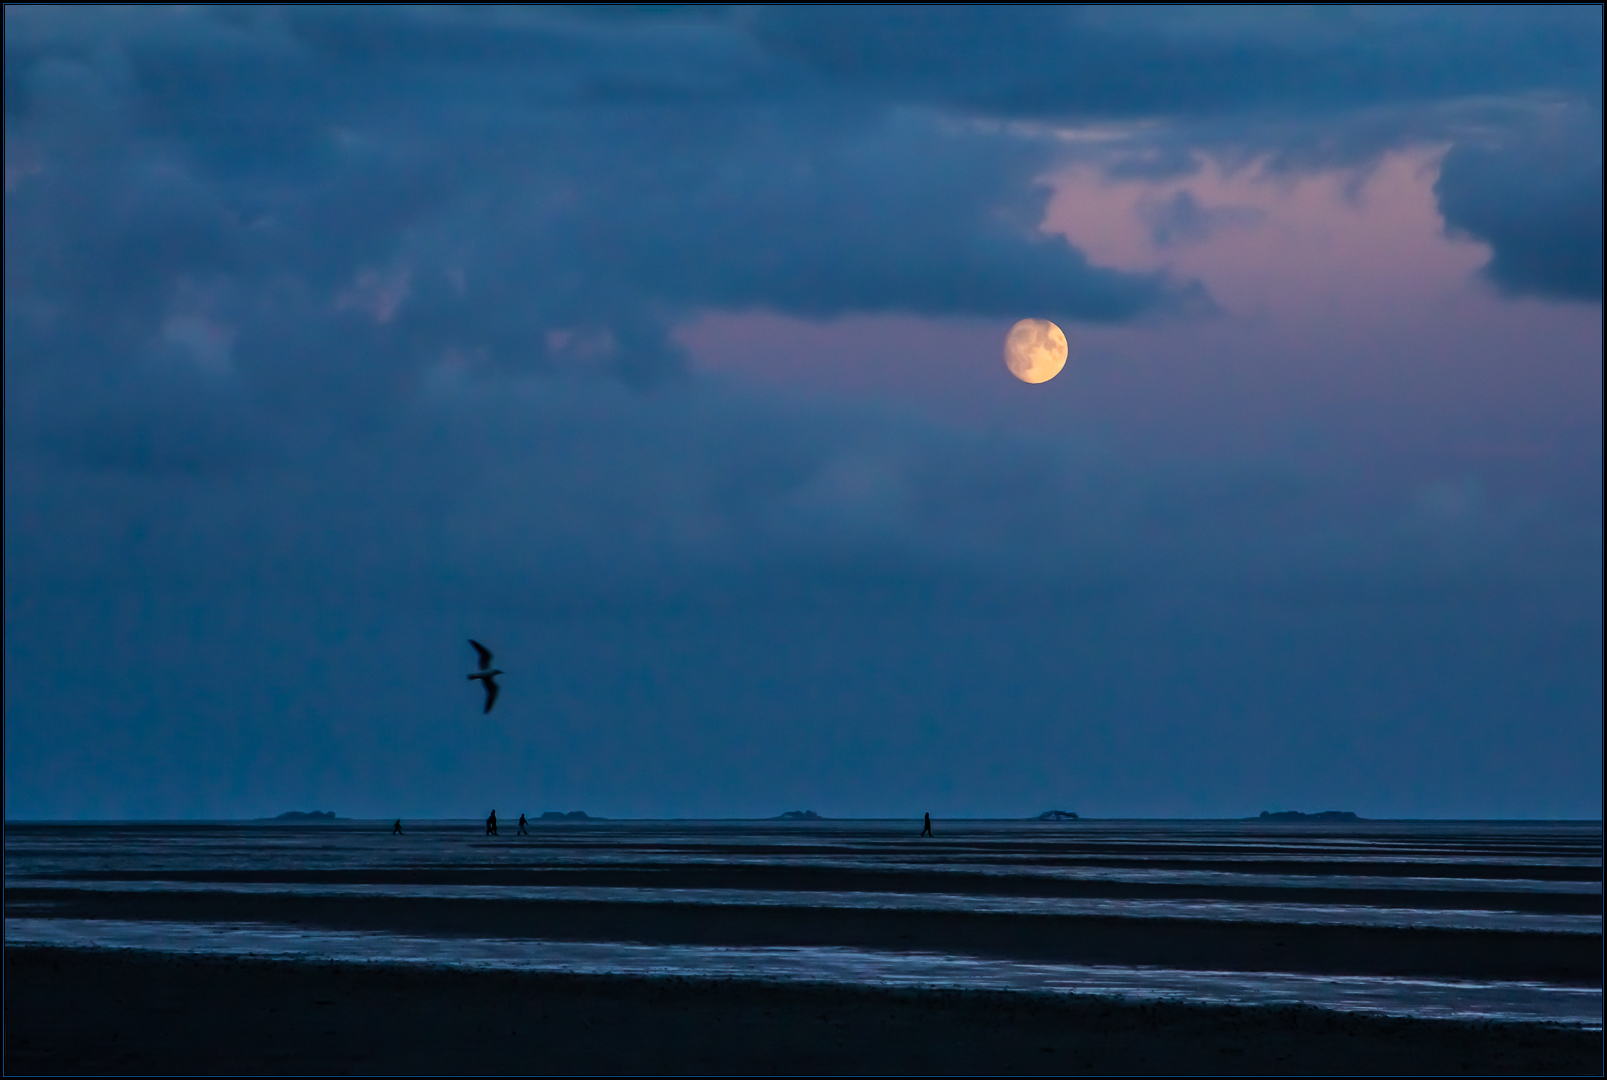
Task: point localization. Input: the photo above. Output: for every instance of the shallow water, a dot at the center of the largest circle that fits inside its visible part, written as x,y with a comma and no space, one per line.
1447,998
1210,910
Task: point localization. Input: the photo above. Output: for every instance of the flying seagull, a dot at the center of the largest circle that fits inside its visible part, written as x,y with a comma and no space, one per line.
487,674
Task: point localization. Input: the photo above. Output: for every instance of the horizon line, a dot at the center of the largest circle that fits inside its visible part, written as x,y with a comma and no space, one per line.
774,818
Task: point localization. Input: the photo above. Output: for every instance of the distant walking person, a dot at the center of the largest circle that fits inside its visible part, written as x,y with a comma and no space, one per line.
491,824
522,826
928,830
396,830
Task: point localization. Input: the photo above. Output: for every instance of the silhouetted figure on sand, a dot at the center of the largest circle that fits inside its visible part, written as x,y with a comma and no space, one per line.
522,826
491,824
928,830
396,830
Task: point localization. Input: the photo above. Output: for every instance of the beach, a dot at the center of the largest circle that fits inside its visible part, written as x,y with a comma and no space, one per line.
77,1011
833,947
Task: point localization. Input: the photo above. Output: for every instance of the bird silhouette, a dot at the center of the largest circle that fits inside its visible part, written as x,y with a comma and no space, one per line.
487,674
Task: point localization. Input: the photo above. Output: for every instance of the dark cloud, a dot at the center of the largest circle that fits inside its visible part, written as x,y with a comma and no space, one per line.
1076,62
1534,194
352,198
353,194
1311,88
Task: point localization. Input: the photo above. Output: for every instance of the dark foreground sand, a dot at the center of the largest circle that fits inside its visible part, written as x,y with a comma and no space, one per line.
71,1011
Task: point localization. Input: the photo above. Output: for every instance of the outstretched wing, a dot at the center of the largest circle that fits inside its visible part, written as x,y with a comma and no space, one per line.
491,691
485,654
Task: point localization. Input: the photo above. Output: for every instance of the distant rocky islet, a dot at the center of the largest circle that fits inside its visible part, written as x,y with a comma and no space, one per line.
1296,815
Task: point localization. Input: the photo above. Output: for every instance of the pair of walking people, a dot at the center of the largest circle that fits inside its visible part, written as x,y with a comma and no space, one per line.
491,825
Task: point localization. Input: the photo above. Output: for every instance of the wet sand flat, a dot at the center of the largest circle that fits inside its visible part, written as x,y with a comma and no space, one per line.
1574,959
1305,888
84,1011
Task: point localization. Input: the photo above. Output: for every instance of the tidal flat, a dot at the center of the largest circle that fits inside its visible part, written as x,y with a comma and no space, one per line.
785,947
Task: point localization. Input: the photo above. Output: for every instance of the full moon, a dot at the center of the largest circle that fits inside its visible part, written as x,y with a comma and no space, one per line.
1035,350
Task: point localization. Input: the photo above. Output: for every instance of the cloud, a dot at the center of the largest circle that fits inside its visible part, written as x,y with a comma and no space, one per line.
245,234
1293,89
1106,63
1182,220
1534,194
251,243
350,199
519,492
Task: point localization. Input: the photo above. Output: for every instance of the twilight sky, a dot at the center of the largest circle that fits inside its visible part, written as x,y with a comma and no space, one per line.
660,351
